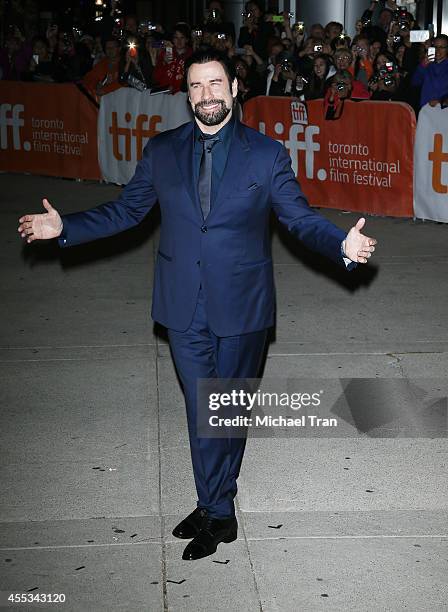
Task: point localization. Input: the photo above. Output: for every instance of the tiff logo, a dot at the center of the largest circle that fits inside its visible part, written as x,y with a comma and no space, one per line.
438,157
10,118
139,133
299,112
294,144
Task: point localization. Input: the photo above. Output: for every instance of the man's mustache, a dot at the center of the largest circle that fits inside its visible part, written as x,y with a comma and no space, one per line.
209,103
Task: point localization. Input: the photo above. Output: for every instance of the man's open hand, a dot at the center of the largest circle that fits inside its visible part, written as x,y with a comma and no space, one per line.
41,227
358,247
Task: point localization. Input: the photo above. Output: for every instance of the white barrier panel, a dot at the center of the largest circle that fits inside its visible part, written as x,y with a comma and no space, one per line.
431,164
126,120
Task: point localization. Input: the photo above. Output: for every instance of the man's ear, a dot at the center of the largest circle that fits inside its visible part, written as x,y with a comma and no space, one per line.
235,88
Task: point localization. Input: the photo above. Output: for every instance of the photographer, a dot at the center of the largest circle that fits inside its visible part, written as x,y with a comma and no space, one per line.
215,21
385,82
41,67
344,60
339,89
313,47
131,71
297,36
410,53
362,68
253,60
170,67
284,78
255,31
376,29
71,60
223,42
432,74
103,78
152,47
340,42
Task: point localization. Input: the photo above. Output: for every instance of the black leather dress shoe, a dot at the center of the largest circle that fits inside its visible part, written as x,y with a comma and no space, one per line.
213,532
190,526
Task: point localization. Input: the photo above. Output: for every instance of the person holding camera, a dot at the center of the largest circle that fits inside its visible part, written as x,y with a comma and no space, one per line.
339,89
103,78
131,70
432,74
362,68
305,57
284,78
375,23
170,67
215,21
409,53
255,31
72,60
41,67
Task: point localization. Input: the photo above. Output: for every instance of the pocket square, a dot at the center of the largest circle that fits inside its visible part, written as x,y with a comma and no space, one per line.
253,186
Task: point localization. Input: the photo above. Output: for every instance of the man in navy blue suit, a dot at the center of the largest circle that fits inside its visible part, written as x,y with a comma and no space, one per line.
216,181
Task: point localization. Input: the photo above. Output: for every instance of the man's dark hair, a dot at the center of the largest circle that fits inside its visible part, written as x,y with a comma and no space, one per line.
203,56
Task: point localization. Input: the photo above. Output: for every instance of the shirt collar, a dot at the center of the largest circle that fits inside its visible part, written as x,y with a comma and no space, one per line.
225,133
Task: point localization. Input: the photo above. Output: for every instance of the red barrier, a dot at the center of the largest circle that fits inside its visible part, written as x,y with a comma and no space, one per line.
48,129
360,162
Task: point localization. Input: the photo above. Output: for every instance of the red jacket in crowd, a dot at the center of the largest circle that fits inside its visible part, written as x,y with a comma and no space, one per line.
172,74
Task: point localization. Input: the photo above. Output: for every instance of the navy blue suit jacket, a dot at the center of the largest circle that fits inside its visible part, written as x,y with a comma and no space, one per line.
230,252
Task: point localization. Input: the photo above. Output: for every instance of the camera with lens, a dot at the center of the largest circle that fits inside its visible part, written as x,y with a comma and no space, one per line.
341,86
146,26
136,83
213,15
221,36
301,81
389,80
318,48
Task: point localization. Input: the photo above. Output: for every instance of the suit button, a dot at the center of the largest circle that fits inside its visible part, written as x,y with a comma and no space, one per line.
204,229
198,262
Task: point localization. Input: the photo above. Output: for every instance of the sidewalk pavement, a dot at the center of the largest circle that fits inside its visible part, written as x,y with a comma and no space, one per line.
95,465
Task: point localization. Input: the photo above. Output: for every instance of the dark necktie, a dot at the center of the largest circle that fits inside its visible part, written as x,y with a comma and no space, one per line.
205,172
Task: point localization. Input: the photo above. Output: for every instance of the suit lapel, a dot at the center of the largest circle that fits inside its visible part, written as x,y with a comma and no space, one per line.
184,155
236,166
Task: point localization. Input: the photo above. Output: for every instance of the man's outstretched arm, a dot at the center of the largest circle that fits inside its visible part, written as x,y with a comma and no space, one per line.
311,228
134,202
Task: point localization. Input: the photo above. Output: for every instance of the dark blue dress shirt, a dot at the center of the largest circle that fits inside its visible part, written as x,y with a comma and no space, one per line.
220,152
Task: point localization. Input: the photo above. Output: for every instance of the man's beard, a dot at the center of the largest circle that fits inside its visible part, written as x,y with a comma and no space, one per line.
214,118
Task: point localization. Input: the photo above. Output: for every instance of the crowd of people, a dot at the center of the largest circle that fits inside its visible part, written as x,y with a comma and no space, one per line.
272,56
